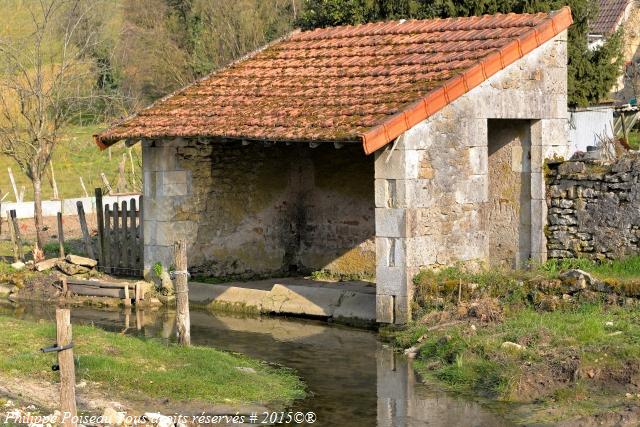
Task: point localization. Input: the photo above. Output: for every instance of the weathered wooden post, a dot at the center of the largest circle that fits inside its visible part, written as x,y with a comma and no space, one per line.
16,234
127,296
67,367
15,187
124,238
141,233
12,232
105,181
100,222
61,235
85,230
183,322
84,189
106,243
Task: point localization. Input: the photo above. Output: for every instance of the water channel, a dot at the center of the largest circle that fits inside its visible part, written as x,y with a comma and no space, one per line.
353,378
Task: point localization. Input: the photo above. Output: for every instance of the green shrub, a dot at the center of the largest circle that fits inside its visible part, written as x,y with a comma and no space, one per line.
158,269
53,248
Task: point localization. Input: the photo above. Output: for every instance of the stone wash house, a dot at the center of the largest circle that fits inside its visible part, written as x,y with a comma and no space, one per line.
376,149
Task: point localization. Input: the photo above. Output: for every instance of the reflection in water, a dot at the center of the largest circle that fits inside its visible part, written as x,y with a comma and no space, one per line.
353,379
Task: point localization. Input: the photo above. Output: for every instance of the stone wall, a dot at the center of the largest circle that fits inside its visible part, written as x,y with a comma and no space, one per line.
593,209
255,210
432,187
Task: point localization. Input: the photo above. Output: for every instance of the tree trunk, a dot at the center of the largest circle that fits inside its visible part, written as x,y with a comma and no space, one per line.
37,209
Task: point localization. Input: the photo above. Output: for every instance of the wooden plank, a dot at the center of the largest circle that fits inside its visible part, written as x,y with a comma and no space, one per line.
92,291
60,236
67,368
124,244
100,283
88,247
100,222
107,240
115,240
134,244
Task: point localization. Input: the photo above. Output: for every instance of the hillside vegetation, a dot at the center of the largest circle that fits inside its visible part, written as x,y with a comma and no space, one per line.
140,50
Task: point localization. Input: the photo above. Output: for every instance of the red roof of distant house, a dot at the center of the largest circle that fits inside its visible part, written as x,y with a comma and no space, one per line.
365,83
610,14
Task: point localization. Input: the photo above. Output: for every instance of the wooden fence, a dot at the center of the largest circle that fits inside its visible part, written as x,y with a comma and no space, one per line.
120,237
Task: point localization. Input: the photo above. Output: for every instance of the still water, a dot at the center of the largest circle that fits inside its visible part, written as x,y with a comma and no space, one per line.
353,379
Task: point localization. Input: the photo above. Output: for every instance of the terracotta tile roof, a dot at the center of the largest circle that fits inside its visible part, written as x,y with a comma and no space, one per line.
364,83
610,14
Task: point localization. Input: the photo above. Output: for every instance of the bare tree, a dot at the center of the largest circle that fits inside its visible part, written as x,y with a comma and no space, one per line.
46,78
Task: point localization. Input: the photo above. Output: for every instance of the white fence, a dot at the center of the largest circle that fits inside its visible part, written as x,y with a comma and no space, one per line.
587,125
66,206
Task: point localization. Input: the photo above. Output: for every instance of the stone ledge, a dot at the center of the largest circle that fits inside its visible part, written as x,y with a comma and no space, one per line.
320,301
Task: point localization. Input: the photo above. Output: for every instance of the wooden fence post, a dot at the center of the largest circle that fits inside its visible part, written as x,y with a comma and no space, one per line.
106,250
16,232
54,184
12,232
115,240
124,241
183,322
61,235
100,221
67,368
85,230
105,181
133,245
127,296
13,184
141,232
84,189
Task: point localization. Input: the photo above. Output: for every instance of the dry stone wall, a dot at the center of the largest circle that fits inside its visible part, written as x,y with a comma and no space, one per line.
593,209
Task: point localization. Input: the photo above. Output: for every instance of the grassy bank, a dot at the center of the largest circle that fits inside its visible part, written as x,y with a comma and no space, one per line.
129,366
532,339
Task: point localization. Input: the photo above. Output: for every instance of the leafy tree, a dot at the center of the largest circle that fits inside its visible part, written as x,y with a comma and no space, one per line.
46,80
591,73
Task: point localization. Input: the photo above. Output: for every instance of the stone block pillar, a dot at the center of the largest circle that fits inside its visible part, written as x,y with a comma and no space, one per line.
394,278
166,188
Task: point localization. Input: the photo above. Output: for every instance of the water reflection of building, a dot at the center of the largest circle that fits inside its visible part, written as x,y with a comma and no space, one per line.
404,401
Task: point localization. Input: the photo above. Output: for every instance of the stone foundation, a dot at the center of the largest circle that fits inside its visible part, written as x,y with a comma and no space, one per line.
593,209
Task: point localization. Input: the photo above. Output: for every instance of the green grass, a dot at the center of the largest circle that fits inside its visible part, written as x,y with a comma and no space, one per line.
590,331
627,268
474,362
634,140
133,366
513,286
